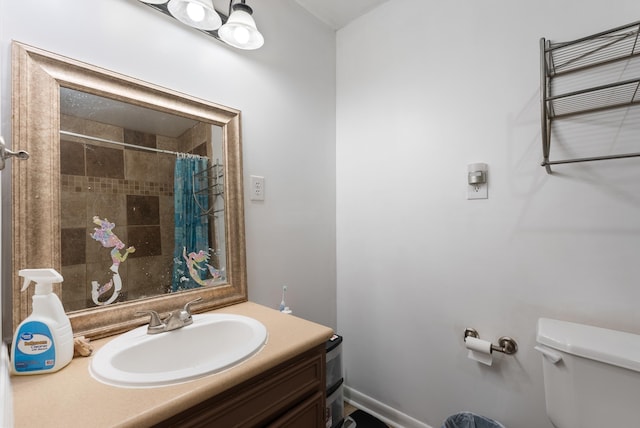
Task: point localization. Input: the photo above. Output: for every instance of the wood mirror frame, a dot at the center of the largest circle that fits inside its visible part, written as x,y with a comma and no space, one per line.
37,78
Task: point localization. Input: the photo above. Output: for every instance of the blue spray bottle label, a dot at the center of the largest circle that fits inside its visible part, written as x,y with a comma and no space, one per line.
35,349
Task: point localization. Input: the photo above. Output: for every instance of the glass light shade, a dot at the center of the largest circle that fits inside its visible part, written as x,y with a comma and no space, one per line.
240,29
195,13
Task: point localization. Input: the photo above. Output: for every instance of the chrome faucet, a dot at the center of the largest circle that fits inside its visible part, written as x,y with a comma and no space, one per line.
175,320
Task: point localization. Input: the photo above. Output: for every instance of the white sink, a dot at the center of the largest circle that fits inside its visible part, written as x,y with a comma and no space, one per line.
214,342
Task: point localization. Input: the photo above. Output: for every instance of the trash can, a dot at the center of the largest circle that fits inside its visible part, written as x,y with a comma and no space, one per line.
335,399
470,420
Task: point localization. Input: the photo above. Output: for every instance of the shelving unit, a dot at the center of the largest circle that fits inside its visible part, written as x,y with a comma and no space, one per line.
210,182
588,75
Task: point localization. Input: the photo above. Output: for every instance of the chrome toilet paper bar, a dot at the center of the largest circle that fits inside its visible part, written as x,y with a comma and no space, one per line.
506,345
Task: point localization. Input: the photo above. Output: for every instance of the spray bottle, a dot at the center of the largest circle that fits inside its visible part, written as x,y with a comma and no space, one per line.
43,342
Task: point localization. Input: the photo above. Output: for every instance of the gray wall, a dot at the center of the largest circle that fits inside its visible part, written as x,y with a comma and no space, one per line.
423,90
286,92
419,96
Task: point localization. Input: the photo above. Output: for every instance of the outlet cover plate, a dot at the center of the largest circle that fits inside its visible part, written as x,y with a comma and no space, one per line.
256,192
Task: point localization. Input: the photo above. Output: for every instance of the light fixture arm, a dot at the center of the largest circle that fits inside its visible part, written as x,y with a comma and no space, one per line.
229,12
239,5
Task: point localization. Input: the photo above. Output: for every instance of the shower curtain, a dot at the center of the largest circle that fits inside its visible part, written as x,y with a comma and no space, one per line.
191,224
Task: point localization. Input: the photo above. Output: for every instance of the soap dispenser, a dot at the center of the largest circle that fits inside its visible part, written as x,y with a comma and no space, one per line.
43,342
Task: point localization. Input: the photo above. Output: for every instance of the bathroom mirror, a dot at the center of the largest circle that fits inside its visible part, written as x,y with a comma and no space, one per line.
126,173
132,191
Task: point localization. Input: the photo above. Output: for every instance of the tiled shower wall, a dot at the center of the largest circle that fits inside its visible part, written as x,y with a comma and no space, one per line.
129,187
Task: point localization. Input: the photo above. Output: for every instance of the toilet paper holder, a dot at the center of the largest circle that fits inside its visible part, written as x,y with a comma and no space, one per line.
506,345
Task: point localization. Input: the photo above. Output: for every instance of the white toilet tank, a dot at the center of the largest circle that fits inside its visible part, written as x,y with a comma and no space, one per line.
591,375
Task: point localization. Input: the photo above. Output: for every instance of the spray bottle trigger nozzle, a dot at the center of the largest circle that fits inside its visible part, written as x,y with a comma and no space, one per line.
25,284
44,278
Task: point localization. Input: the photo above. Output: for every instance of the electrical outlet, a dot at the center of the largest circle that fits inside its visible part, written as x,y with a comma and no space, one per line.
478,191
257,188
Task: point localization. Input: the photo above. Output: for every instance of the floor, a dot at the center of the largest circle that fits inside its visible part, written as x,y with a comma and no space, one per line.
348,409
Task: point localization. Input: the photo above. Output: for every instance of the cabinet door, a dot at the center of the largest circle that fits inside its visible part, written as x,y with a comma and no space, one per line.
308,414
265,398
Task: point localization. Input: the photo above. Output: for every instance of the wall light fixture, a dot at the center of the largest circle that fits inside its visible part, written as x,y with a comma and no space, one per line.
237,28
240,29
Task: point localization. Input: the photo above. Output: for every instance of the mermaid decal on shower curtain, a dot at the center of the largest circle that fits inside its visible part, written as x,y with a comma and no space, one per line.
193,263
108,239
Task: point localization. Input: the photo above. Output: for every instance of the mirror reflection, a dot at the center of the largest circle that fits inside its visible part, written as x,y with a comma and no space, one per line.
142,202
132,191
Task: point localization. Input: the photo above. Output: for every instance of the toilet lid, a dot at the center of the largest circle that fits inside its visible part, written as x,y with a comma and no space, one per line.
600,344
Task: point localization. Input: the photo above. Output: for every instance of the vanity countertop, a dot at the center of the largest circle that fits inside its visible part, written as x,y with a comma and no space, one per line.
72,398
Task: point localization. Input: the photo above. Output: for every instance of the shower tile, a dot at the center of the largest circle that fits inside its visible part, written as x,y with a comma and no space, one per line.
124,272
167,224
165,166
199,134
73,246
167,143
103,130
73,206
75,288
139,138
143,210
104,162
200,149
71,158
72,124
99,272
146,240
186,141
141,166
150,276
107,205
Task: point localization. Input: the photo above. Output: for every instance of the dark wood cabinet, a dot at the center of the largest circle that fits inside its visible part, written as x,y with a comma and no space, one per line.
288,395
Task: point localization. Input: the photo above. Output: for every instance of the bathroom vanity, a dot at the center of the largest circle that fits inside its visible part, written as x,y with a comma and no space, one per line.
282,385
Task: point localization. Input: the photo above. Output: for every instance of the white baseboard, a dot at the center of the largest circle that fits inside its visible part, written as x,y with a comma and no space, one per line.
380,410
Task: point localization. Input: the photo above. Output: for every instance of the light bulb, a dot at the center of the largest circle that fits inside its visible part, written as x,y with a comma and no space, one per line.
195,11
240,29
241,35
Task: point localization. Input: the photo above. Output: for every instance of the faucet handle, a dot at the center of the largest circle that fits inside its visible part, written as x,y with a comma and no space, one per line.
187,307
154,319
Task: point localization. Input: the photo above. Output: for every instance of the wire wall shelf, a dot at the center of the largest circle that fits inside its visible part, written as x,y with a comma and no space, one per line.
588,75
210,182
